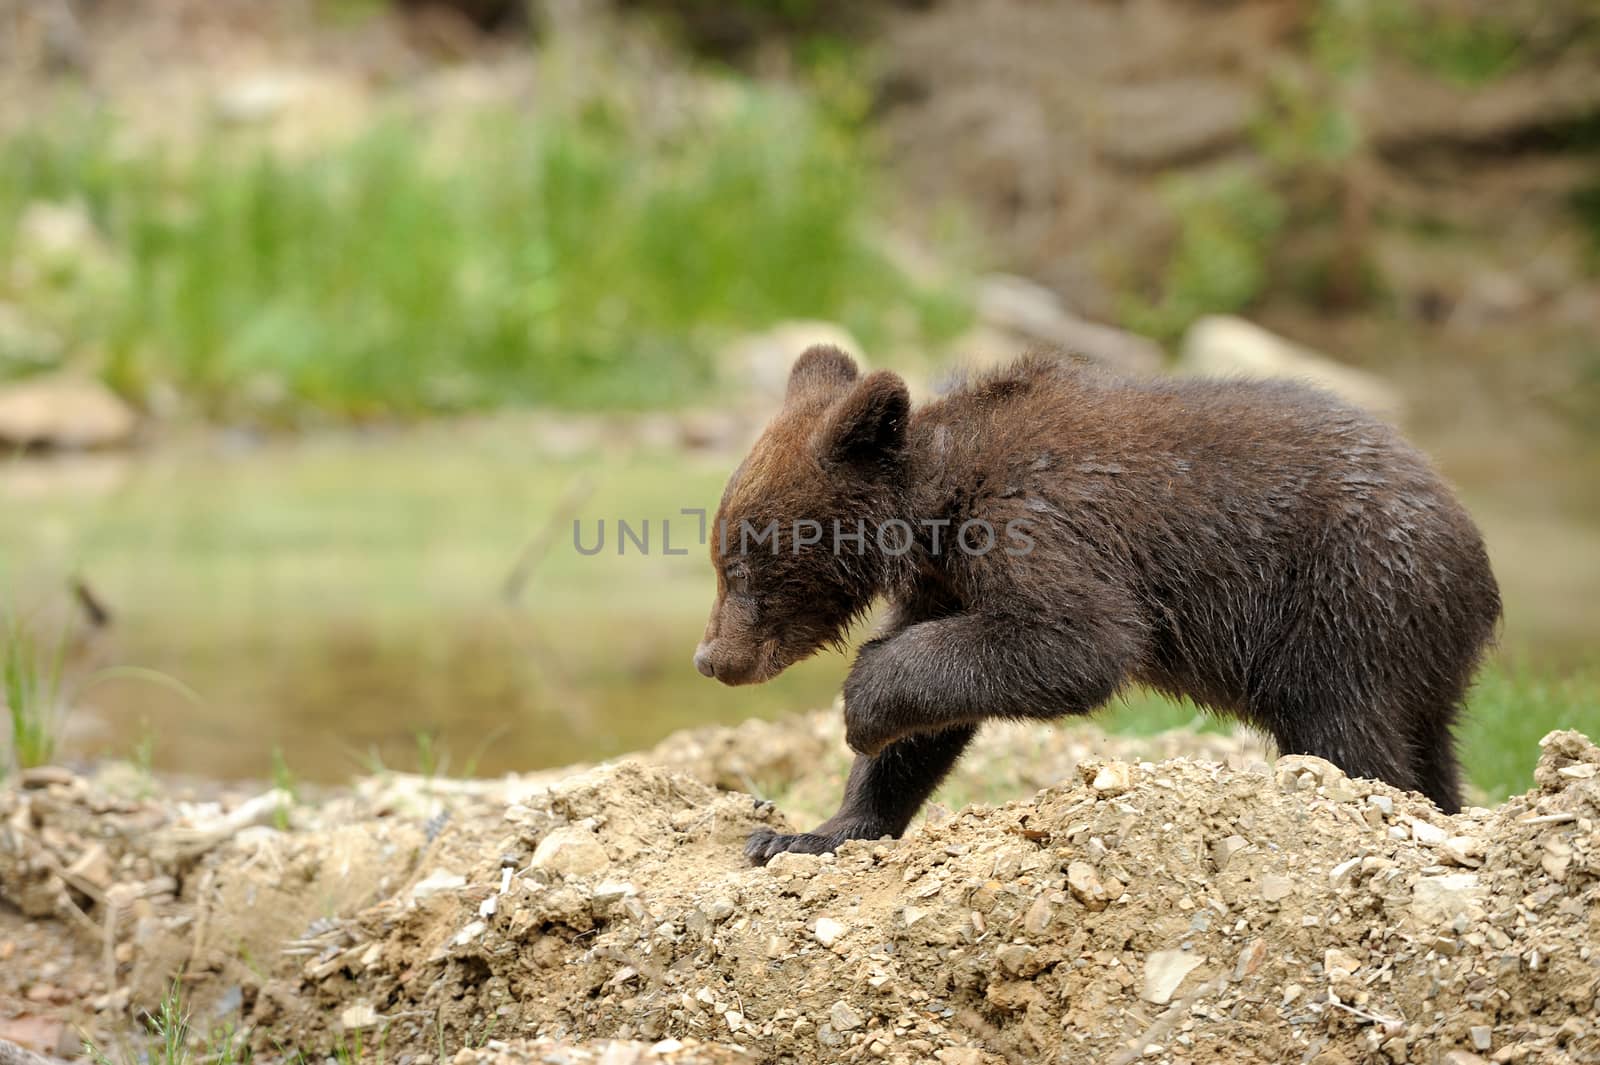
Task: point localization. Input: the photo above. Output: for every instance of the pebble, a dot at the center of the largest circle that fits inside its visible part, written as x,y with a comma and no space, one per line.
1250,959
571,851
1382,803
1224,849
1275,888
1036,922
1164,972
1437,900
1339,963
1084,883
358,1016
1344,872
845,1017
1462,850
435,882
613,890
1017,959
1112,778
1425,833
828,931
469,933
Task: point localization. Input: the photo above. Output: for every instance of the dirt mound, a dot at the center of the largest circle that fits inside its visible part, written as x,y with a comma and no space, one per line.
1185,910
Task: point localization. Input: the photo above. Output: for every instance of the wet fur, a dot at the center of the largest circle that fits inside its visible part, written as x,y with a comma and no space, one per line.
1261,548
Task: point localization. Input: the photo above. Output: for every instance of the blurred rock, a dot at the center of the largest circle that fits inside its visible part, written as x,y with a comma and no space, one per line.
1023,314
1224,346
760,362
63,411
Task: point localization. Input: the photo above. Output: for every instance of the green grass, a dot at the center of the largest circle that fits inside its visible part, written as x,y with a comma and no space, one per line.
169,1040
583,257
30,681
1509,710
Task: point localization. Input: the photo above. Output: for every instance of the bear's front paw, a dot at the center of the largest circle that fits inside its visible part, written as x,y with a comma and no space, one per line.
764,844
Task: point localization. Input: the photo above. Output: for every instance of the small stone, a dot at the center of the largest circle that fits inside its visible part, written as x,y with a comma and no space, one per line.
436,882
1164,971
1482,1036
1250,959
1339,964
828,931
1341,874
1224,849
1463,1057
469,933
1292,993
1581,771
777,947
358,1016
845,1017
1112,778
1017,959
1557,858
1084,883
1382,803
1276,888
1437,900
609,891
571,851
912,914
1462,850
1425,833
1036,922
720,909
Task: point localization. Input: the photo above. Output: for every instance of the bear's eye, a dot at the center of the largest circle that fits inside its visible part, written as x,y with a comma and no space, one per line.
738,582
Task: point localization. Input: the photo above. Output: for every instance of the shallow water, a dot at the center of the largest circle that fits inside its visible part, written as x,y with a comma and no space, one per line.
343,597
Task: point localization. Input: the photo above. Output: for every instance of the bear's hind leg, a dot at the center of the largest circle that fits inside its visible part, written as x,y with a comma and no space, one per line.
1363,744
884,793
1433,758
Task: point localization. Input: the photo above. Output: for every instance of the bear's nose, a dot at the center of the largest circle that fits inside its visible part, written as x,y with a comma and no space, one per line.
702,661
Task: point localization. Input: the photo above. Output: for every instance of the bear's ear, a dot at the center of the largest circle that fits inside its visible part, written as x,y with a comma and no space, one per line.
821,367
869,424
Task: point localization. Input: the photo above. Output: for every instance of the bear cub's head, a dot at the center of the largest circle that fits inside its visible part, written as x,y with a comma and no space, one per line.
794,545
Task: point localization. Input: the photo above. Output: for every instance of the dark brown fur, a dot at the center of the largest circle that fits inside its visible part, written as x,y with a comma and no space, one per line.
1261,548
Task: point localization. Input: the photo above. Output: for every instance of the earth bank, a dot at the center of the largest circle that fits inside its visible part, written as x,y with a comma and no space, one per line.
1206,908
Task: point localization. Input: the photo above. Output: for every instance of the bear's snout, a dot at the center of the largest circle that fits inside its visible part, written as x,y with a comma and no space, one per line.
703,661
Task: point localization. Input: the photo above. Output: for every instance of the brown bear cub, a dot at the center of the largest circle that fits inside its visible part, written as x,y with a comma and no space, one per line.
1046,534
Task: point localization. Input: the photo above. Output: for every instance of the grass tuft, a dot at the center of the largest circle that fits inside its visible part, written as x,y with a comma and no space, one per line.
590,257
30,681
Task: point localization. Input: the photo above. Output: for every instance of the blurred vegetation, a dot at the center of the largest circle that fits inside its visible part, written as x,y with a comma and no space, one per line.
1510,708
30,684
583,258
1303,226
1219,261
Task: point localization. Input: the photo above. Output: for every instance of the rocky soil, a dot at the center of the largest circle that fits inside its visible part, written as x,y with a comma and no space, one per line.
1205,908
